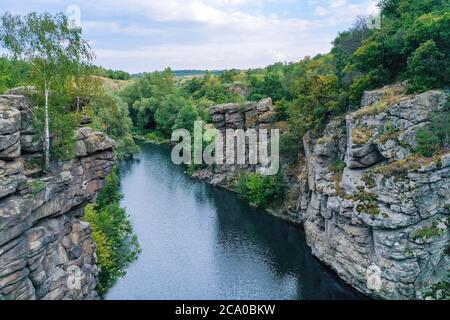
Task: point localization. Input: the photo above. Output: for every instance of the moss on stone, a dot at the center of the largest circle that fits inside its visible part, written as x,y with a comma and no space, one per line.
367,202
412,163
326,139
33,163
369,180
36,186
400,168
389,133
427,233
437,291
436,229
372,109
361,135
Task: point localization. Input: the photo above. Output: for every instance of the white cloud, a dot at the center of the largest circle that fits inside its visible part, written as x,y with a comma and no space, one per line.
211,55
139,35
342,9
116,28
337,3
320,11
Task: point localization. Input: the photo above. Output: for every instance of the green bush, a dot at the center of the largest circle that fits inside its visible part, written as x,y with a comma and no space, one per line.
357,88
436,136
168,115
413,43
281,110
261,191
36,186
290,145
155,137
319,92
13,73
427,143
337,164
186,118
111,115
428,68
112,233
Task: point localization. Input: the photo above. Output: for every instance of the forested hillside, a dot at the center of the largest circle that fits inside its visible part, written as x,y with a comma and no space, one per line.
413,44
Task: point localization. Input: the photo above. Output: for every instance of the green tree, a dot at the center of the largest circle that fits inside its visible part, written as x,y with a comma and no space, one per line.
145,96
318,96
112,232
271,85
13,73
54,50
261,191
347,42
186,118
167,113
110,115
428,67
414,43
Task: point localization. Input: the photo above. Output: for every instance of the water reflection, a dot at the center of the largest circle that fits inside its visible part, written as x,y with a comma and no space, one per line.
201,242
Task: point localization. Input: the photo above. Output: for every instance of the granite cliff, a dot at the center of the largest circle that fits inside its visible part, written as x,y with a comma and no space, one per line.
46,251
372,209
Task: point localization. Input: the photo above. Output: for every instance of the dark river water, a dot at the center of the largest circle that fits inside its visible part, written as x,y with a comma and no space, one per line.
201,242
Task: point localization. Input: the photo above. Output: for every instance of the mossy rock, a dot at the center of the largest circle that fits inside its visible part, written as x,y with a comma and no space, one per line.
367,202
361,135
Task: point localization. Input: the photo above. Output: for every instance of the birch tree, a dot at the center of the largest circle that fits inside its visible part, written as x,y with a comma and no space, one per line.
55,50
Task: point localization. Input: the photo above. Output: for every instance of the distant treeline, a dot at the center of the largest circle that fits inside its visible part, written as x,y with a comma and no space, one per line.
112,74
186,73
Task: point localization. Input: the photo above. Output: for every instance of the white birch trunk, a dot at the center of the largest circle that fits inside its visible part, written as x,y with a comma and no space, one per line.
46,132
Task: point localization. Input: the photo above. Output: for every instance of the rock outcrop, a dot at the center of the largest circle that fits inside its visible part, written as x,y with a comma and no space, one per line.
382,222
46,251
372,210
251,115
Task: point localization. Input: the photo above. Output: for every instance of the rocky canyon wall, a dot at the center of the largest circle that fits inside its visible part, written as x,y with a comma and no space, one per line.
46,251
372,209
382,222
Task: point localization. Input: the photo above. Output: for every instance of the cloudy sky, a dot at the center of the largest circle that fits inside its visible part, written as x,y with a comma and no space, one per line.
147,35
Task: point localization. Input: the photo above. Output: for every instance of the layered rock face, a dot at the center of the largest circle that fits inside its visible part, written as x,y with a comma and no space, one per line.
252,115
382,222
372,210
46,252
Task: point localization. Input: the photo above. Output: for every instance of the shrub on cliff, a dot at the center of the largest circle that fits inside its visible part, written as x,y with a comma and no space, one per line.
261,191
428,67
318,91
110,114
112,233
13,73
413,42
436,136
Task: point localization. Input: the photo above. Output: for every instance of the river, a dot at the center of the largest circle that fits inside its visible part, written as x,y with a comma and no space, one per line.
201,242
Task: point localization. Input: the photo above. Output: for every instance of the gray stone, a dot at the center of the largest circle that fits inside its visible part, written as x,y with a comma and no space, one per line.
40,231
264,105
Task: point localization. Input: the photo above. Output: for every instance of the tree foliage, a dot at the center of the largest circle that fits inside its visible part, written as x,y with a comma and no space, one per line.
13,73
413,43
117,245
261,191
110,114
56,52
